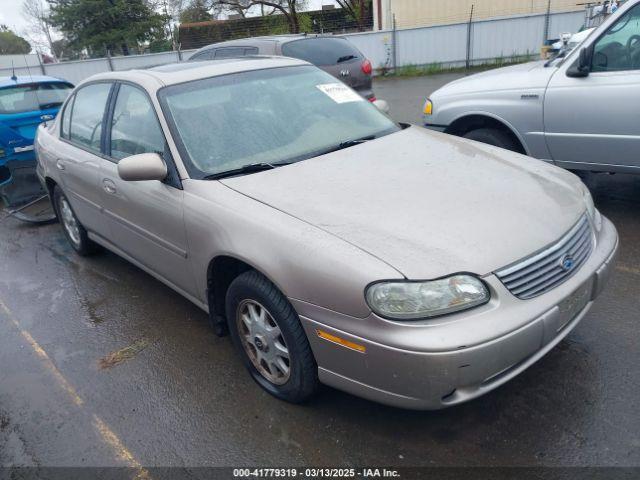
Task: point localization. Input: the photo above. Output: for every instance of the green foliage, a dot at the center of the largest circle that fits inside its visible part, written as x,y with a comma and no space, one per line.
64,51
359,10
306,23
12,44
114,24
161,45
196,11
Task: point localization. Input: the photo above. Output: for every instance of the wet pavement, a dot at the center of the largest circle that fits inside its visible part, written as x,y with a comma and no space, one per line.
102,365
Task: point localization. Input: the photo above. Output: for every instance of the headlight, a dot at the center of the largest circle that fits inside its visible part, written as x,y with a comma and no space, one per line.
428,107
404,300
592,211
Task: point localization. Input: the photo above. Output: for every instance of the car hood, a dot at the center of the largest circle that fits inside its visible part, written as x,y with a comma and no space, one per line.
524,76
426,203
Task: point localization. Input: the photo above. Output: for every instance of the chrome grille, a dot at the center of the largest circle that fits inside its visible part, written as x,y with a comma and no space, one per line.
545,270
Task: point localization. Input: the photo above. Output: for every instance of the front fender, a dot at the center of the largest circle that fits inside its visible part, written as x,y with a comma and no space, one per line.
521,113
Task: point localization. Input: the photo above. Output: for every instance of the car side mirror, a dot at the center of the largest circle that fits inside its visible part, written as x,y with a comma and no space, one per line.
582,66
144,166
382,105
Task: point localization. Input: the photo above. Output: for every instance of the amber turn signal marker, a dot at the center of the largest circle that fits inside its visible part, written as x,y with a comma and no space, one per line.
428,107
341,341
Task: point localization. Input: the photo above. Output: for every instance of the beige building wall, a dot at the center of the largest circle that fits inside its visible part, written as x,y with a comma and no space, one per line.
420,13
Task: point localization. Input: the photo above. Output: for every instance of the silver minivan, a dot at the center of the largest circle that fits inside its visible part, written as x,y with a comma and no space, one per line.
579,112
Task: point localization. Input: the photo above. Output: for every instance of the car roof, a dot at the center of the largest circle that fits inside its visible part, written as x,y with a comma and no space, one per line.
253,41
27,79
173,73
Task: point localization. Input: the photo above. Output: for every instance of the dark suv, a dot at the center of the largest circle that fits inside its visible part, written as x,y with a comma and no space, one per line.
335,55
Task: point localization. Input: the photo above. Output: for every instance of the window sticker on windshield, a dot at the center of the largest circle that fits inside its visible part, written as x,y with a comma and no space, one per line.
339,93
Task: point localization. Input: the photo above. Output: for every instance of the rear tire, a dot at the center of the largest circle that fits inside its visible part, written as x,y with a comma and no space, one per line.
269,337
72,228
495,137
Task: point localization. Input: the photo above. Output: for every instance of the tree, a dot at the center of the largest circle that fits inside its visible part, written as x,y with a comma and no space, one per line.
114,24
289,8
358,10
196,11
12,44
36,13
64,51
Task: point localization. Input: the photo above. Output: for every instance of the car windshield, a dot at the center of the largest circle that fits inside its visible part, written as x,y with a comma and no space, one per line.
271,116
33,97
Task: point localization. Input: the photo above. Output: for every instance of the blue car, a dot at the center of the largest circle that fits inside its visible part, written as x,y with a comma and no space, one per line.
25,102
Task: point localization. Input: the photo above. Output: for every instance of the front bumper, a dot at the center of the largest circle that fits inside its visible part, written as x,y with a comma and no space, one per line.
447,361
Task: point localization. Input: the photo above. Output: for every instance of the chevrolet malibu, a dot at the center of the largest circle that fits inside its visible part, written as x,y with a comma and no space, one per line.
402,265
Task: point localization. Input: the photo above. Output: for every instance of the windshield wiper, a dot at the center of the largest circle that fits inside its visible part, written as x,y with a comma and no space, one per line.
244,170
347,144
357,141
346,58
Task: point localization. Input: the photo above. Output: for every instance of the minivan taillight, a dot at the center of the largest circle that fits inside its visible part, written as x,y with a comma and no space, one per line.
367,69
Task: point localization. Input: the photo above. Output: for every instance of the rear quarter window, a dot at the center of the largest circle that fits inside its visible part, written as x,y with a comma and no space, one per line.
321,51
66,118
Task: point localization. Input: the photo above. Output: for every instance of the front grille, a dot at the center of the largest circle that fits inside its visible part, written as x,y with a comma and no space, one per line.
546,270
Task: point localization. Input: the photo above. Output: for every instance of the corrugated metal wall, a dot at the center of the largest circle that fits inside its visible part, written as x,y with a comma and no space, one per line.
491,39
415,46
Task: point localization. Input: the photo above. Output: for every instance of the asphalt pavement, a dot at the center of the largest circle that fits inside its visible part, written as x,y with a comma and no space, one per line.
101,365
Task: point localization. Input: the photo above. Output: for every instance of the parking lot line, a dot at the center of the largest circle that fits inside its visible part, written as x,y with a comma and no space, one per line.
103,429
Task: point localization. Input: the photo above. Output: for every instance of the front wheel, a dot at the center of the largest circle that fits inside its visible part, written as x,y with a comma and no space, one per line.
267,333
495,137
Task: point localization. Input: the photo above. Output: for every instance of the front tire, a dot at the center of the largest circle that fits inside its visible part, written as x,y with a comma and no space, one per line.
74,231
495,137
267,333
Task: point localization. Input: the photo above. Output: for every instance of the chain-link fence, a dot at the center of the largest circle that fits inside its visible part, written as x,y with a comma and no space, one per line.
196,35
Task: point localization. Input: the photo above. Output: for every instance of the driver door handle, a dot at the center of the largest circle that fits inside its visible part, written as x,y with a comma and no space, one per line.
60,164
109,186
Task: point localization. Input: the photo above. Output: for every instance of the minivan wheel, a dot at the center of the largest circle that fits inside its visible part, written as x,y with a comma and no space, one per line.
71,226
267,333
495,137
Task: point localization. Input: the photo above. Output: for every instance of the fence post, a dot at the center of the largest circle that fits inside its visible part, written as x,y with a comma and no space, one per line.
44,72
547,20
394,42
469,33
179,50
109,61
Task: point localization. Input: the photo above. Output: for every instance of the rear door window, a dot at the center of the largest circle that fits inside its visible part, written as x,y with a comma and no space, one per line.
33,97
206,55
321,51
87,115
230,52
